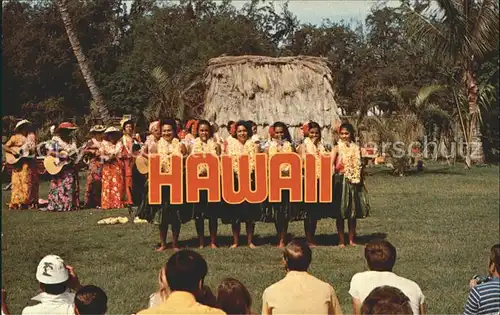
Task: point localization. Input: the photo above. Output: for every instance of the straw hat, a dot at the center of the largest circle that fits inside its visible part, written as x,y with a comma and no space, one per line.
111,130
22,123
98,128
66,125
125,120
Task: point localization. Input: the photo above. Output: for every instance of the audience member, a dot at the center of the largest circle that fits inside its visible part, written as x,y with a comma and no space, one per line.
299,292
233,297
186,271
55,280
206,297
91,300
386,300
381,257
484,298
161,295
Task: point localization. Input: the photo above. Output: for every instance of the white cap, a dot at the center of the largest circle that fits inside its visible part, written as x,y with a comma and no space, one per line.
51,270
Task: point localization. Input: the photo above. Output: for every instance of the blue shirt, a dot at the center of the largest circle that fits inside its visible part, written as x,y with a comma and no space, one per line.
484,298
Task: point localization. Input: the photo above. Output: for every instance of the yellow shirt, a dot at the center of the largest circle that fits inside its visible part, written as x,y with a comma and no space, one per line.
180,302
300,293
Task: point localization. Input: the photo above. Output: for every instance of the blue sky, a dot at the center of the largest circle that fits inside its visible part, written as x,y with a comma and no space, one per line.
314,11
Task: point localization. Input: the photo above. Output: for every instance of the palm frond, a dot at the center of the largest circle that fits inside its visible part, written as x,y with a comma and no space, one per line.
426,92
484,36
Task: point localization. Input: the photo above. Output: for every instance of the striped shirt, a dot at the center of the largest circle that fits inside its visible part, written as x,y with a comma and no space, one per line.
484,298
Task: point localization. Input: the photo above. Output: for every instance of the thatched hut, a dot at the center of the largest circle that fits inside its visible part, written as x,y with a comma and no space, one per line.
265,89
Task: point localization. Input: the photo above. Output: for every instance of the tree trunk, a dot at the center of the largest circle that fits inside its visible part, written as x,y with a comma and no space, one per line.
474,143
100,110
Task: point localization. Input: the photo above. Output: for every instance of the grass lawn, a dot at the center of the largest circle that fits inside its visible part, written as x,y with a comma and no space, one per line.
443,223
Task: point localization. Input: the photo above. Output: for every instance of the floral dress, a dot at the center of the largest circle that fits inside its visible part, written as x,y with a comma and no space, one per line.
113,183
21,176
94,178
64,187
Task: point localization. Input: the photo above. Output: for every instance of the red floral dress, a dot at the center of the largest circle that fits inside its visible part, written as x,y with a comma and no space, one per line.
113,186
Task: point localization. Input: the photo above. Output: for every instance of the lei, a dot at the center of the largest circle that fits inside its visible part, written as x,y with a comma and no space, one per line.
201,147
165,150
235,149
275,147
317,150
351,159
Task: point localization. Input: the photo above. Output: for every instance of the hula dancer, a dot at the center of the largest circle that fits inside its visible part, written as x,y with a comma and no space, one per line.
94,175
350,197
128,145
244,212
312,144
281,212
113,181
205,144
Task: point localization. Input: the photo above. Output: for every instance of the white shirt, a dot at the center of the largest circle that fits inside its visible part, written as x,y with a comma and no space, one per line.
300,293
363,283
61,304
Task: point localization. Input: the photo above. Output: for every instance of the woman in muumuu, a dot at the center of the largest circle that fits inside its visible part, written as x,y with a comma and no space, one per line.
94,174
167,214
113,179
349,193
280,212
22,183
313,144
64,187
244,212
205,144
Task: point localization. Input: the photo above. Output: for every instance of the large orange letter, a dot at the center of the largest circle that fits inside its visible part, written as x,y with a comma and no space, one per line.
244,192
325,181
292,182
195,183
310,182
157,179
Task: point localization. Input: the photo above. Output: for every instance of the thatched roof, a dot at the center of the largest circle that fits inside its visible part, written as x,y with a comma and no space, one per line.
266,90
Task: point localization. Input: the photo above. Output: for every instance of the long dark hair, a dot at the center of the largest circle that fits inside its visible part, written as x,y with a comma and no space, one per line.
171,122
350,128
280,124
313,124
247,127
233,297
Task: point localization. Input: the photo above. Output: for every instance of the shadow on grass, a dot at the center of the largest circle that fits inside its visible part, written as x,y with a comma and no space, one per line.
321,240
447,170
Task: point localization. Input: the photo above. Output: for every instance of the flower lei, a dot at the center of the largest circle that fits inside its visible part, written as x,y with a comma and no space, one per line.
165,150
201,147
318,150
351,159
275,147
235,149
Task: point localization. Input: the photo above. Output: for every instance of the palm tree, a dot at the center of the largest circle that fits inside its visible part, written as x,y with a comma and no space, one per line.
462,31
99,110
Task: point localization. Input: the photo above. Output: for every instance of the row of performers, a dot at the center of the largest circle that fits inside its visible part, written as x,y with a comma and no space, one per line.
113,182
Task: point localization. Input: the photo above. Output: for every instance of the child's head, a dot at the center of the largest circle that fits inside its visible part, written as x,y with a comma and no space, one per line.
91,300
233,297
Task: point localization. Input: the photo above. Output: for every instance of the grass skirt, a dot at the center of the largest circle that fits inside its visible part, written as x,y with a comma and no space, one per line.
350,201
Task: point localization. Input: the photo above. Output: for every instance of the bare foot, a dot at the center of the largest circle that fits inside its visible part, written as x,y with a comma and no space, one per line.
176,248
161,248
251,245
201,246
234,246
281,245
213,245
341,246
312,245
352,243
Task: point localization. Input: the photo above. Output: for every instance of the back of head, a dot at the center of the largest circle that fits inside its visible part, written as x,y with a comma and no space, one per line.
495,257
380,255
233,297
91,300
186,270
297,256
386,300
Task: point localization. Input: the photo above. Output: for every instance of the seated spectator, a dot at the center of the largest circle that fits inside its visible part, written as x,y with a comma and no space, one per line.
299,292
233,297
381,257
484,298
55,280
186,271
386,300
91,300
161,295
206,297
